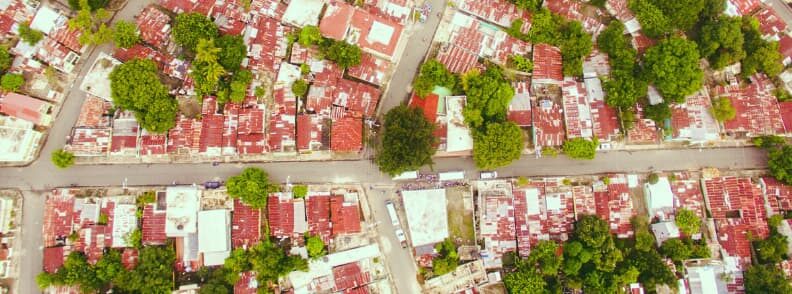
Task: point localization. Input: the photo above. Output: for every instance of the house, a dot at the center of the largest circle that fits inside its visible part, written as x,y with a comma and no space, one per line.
664,231
12,14
548,66
659,199
692,120
184,137
89,141
520,105
417,205
778,195
151,144
548,123
371,69
758,111
613,203
154,27
311,131
267,43
644,130
245,225
458,136
286,216
337,272
744,7
125,134
345,214
573,10
317,209
181,210
770,23
18,140
214,236
346,135
544,210
577,115
27,108
373,33
301,13
496,221
153,222
499,12
212,128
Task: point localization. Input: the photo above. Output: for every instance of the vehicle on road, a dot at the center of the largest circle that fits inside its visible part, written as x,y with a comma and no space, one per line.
488,175
396,224
451,176
408,175
212,184
401,237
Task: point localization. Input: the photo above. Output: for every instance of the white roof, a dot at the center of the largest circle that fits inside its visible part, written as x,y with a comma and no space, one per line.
594,89
532,201
303,12
427,217
664,231
632,25
300,221
380,33
321,267
654,96
97,81
658,196
124,222
287,74
181,210
450,176
458,135
46,19
18,140
213,233
702,280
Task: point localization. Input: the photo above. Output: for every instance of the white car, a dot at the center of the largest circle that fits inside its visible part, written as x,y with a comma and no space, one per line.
488,175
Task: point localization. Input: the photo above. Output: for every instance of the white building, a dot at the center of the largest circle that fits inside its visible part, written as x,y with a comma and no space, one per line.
18,140
124,222
214,236
659,199
664,231
303,12
181,212
427,216
458,135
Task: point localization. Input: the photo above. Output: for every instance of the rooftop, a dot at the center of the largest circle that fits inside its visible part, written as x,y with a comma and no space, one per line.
458,136
301,13
181,211
26,107
548,123
154,27
548,67
426,216
693,120
346,135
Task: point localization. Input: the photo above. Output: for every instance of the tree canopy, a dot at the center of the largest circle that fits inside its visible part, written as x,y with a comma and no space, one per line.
498,145
488,97
687,221
340,52
721,41
574,42
190,28
125,34
91,23
29,35
268,261
299,88
62,158
316,247
206,70
761,55
448,259
135,86
780,164
653,22
520,63
766,279
407,141
722,109
580,148
5,59
672,66
232,51
252,186
682,14
433,73
530,5
12,82
309,35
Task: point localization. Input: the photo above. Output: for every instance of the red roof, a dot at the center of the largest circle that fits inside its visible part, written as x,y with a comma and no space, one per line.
280,217
92,113
53,259
573,10
129,258
89,141
15,12
786,114
347,135
310,130
212,126
154,26
757,109
151,144
246,284
745,7
251,137
548,66
542,211
349,276
184,135
186,6
457,59
363,22
687,194
779,196
769,22
737,205
230,16
318,213
153,228
497,226
266,42
615,206
520,105
577,116
548,123
358,99
345,216
281,133
125,133
644,130
245,224
606,122
428,104
693,116
58,217
335,22
68,37
785,45
500,12
371,69
24,107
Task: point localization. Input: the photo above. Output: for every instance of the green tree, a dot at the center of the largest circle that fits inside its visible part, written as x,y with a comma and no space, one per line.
270,262
592,231
575,45
652,268
712,9
530,5
252,186
520,63
62,158
109,267
216,282
206,71
190,28
232,51
672,66
12,82
722,109
780,164
676,250
761,55
498,145
766,279
299,88
342,53
29,35
91,24
316,248
92,4
5,59
300,191
769,142
544,257
580,148
682,14
125,34
135,238
525,282
653,22
545,27
309,35
135,86
658,112
624,89
488,97
152,273
433,73
687,221
238,89
771,250
721,41
236,263
407,141
448,259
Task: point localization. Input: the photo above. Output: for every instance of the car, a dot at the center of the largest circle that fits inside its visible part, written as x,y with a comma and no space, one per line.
212,185
488,175
402,239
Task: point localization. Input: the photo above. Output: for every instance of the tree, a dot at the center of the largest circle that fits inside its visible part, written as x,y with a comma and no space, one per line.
448,259
407,141
672,66
544,257
771,250
769,142
76,271
316,248
780,164
766,279
722,109
135,86
712,9
530,5
300,191
580,148
125,34
309,35
206,71
109,267
658,112
520,63
5,59
624,89
91,24
62,158
653,22
92,4
29,35
12,82
652,268
342,53
236,263
498,145
270,262
525,282
653,178
216,282
545,27
682,14
238,89
676,250
252,186
592,231
135,238
299,88
721,41
488,97
761,55
432,73
152,273
575,45
190,28
232,51
687,221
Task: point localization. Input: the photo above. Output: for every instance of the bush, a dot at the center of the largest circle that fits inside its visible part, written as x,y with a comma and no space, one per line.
300,191
432,73
29,35
722,109
653,178
520,63
125,34
62,158
579,148
12,82
189,28
299,88
316,248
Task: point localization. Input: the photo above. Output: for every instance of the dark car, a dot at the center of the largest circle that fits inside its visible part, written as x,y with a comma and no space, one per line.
212,185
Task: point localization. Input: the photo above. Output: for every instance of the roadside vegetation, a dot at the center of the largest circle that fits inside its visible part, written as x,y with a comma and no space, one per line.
407,141
252,187
62,158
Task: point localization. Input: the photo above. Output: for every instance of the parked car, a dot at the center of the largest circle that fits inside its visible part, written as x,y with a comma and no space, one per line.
488,175
212,185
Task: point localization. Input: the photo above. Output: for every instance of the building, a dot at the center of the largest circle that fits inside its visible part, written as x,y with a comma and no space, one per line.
496,221
577,115
245,225
664,231
692,121
426,216
520,105
19,142
659,199
27,108
544,210
613,204
548,66
373,33
214,236
346,135
347,271
301,13
458,137
548,123
286,216
181,210
758,111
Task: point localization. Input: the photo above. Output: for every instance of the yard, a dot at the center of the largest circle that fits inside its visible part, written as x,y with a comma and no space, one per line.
460,215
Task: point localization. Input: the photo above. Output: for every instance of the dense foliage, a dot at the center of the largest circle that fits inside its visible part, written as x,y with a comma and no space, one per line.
433,73
722,109
672,66
190,28
299,88
236,90
91,24
92,4
520,63
780,163
766,279
687,221
29,35
407,141
488,97
569,36
309,35
252,186
659,17
12,82
316,248
135,86
5,59
206,71
530,5
653,22
772,249
448,259
721,41
761,55
580,148
497,145
232,51
125,34
625,86
300,191
268,261
62,158
340,52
